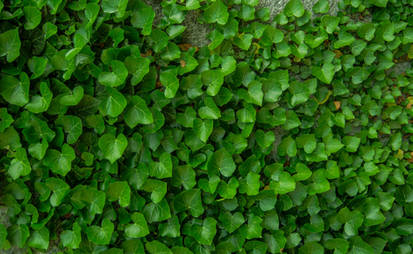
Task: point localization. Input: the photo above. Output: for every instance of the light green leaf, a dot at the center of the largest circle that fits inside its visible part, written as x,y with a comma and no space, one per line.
115,78
71,238
39,239
112,147
231,222
294,8
15,91
137,112
33,17
59,188
221,162
115,6
139,228
157,189
113,103
60,162
20,165
216,12
100,235
170,80
213,80
156,247
163,168
72,126
10,44
142,17
39,104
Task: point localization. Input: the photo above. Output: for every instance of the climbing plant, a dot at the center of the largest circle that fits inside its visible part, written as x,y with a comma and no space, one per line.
284,134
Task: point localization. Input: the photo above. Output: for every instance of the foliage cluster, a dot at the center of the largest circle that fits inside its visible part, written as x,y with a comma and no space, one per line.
290,134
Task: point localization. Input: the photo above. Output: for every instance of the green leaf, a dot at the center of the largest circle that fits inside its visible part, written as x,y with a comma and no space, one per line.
170,80
115,78
379,3
157,188
330,23
251,184
301,91
303,172
294,8
10,44
271,35
72,126
282,183
142,17
213,80
163,168
115,6
60,162
322,6
157,212
396,141
54,5
255,93
189,200
5,119
210,110
38,150
292,120
344,39
3,235
156,247
73,98
59,188
311,248
216,39
216,12
205,234
33,17
113,103
18,235
84,196
351,143
325,73
138,67
264,139
139,228
231,222
228,65
246,114
254,228
39,239
15,91
184,175
366,31
221,162
100,235
204,128
137,112
112,147
117,35
37,65
243,41
159,40
20,165
332,145
72,238
287,147
39,104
